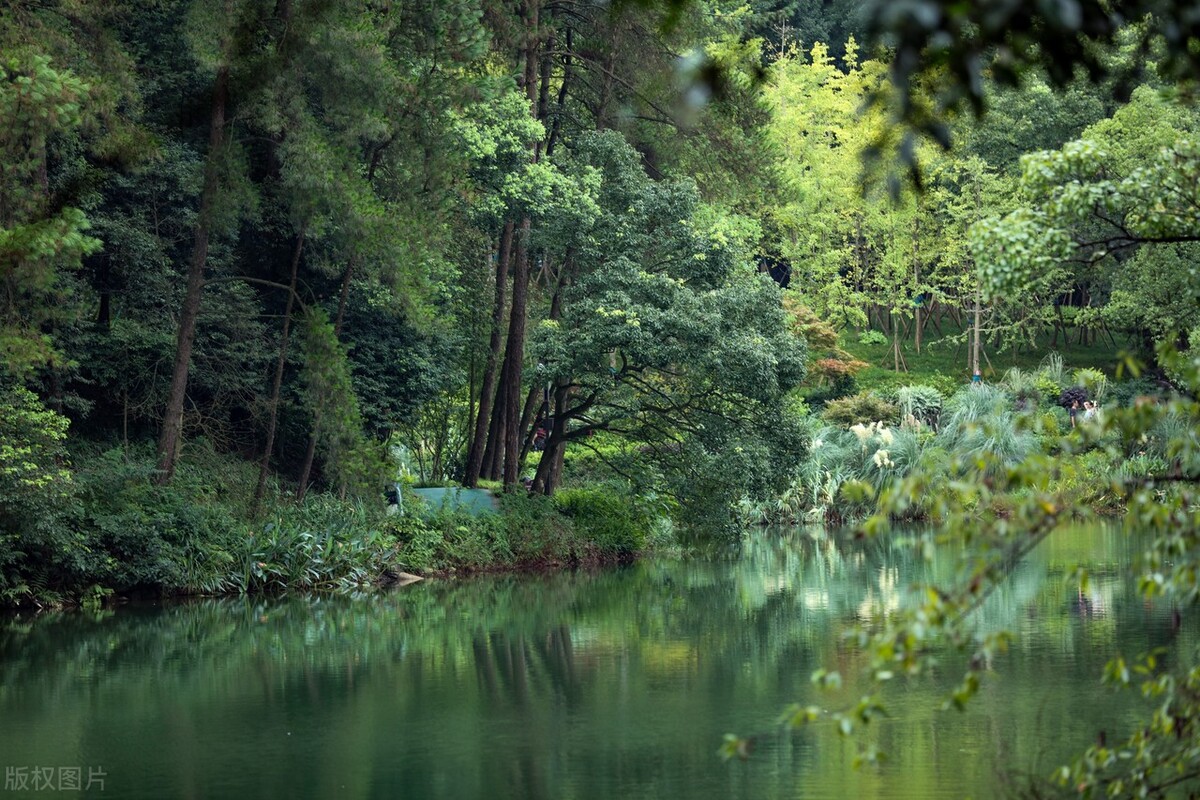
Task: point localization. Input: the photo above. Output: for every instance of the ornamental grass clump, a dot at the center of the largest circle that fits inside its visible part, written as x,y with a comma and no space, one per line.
979,422
922,404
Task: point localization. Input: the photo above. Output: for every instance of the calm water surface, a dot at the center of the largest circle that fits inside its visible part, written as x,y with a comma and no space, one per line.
606,685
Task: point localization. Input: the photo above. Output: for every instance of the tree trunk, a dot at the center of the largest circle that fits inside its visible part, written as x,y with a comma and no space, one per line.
935,316
528,420
264,465
896,356
493,453
514,356
172,425
917,299
556,124
475,457
976,343
545,481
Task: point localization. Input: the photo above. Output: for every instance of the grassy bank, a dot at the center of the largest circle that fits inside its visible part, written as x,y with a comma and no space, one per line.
109,531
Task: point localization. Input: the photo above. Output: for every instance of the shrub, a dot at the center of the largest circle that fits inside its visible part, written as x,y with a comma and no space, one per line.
418,543
1052,369
835,389
872,337
1140,466
32,456
322,545
1075,394
1126,393
1170,435
537,531
33,481
862,408
1086,480
945,384
1027,388
604,517
473,541
1049,388
1053,422
530,529
976,402
1094,381
172,537
1051,378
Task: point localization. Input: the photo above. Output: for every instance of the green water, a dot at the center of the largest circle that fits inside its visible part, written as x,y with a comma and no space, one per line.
614,684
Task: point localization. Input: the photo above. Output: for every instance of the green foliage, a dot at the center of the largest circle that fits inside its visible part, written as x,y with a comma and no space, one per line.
39,239
942,49
1053,423
838,388
575,526
1025,500
322,545
395,368
1027,388
34,479
605,517
32,456
872,337
135,533
1015,256
354,462
1127,392
979,423
667,336
862,408
1049,389
1094,381
1154,291
541,536
108,528
1127,183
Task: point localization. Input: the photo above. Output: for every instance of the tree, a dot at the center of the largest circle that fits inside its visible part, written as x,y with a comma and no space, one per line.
947,49
172,424
667,338
783,23
1128,184
39,239
869,249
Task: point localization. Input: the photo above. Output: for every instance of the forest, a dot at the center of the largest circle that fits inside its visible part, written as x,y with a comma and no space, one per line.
646,272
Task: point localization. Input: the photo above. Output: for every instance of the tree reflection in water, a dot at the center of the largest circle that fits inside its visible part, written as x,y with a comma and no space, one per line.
618,682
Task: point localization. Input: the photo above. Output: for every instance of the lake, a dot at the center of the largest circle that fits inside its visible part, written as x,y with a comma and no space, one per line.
616,683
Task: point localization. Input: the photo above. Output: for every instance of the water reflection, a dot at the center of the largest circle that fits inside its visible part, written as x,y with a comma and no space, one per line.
619,683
